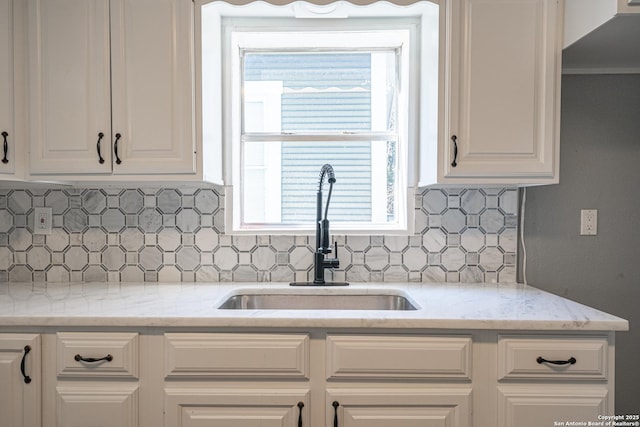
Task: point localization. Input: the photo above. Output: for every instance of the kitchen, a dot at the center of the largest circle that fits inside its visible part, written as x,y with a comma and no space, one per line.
172,233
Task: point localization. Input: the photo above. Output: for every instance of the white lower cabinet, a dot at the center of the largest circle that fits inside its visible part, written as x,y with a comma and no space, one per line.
404,380
398,357
96,381
236,379
246,407
399,407
544,379
537,405
418,375
244,355
97,405
160,377
20,380
317,379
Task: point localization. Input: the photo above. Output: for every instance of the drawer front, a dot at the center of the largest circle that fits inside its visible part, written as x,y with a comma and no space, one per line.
237,355
392,356
102,354
530,357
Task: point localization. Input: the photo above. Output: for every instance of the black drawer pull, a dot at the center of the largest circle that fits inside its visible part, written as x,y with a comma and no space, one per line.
335,405
570,361
454,139
27,378
300,406
115,148
107,358
5,147
100,159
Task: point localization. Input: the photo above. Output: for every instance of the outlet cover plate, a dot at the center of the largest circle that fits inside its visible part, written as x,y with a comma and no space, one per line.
42,219
588,222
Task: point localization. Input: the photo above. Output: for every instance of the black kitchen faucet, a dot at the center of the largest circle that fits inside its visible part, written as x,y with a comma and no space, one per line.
320,263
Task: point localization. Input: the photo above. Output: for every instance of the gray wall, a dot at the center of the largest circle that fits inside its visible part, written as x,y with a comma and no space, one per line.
599,169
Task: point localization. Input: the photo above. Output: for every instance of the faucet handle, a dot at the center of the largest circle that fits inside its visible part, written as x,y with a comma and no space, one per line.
334,262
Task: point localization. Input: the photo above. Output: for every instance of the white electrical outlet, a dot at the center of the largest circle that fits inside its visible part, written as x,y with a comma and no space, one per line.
42,219
589,222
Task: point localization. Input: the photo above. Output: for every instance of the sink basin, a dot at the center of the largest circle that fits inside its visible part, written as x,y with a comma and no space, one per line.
299,301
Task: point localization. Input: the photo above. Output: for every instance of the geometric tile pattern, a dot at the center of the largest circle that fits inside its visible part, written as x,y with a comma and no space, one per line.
159,235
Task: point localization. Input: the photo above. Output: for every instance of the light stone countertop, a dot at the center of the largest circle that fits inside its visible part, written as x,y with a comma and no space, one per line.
168,305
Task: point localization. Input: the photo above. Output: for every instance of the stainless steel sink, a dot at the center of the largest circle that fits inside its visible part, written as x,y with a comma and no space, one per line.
300,301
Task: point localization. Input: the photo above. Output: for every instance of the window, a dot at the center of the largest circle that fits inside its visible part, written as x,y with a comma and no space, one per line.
317,98
299,93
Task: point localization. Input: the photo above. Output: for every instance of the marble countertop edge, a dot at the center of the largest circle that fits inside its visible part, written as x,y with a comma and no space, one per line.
505,307
297,323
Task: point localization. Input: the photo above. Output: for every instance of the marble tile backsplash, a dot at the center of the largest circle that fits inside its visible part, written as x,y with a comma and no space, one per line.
140,234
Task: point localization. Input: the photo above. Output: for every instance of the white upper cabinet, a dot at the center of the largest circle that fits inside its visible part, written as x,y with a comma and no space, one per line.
7,135
152,85
69,89
110,87
500,118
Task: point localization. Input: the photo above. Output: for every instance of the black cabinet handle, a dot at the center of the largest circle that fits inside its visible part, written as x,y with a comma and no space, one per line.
335,405
5,147
107,358
300,406
115,148
100,159
454,139
27,378
570,361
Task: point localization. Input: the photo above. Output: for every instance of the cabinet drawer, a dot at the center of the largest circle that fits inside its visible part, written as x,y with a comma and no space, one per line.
531,357
103,354
392,356
237,355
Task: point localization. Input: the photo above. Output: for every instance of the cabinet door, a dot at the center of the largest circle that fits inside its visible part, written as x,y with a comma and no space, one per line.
386,407
200,407
7,156
152,86
536,406
69,92
20,398
505,92
100,405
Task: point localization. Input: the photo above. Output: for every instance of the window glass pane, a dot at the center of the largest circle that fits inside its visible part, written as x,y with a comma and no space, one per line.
301,163
322,91
365,189
261,183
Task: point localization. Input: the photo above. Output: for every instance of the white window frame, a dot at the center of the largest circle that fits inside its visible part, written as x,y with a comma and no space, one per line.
219,118
313,40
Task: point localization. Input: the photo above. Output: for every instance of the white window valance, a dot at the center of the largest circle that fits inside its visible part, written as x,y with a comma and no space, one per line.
323,8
